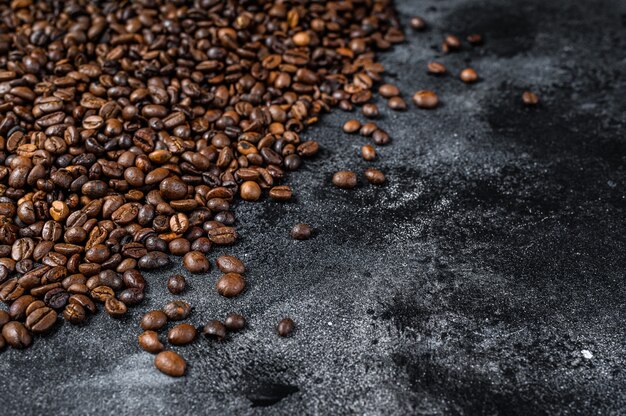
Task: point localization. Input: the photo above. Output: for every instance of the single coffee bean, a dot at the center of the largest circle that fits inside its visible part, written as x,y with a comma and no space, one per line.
153,260
181,334
285,327
131,296
230,285
41,320
214,330
153,320
368,152
397,104
222,235
4,318
56,298
235,322
351,126
134,278
530,98
468,75
388,90
380,137
370,110
280,193
374,176
250,191
17,310
436,68
196,262
230,264
16,335
426,99
115,308
177,310
301,232
74,313
176,284
170,363
149,341
368,129
84,301
345,179
452,42
417,23
102,293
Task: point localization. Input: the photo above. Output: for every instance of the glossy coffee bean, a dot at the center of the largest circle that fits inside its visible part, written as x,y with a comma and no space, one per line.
149,341
16,335
170,363
230,264
345,180
181,334
374,176
214,330
285,327
176,284
230,285
153,320
196,262
235,322
301,232
426,99
177,310
115,308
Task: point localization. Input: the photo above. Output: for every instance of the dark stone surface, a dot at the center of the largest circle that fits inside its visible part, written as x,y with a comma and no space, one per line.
470,284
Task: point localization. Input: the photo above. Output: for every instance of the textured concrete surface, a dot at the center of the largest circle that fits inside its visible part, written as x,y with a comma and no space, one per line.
486,278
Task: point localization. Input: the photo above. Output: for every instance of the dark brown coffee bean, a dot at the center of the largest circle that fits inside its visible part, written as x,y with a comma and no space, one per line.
176,284
281,193
41,320
452,42
345,180
425,99
351,126
84,301
74,313
222,235
170,363
56,298
149,341
102,293
368,152
153,260
173,188
285,327
177,310
374,176
131,296
388,90
230,264
115,308
301,232
370,110
250,191
214,330
417,23
17,310
16,335
530,98
153,320
134,278
230,285
4,318
368,129
181,334
235,322
196,262
397,104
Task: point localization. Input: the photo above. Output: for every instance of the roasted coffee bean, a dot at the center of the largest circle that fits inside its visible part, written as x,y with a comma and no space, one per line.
149,341
170,363
102,293
74,313
345,180
154,320
530,98
368,129
131,296
214,330
452,42
475,39
4,318
230,264
301,232
153,260
84,301
368,152
468,75
17,310
41,320
397,104
370,110
425,99
374,176
115,308
134,278
285,327
380,137
351,126
176,284
196,262
388,90
181,334
235,322
222,235
16,335
250,191
436,68
281,193
230,285
177,310
56,298
418,23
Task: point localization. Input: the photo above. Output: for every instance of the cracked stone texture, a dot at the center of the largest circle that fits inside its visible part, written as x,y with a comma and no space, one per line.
470,284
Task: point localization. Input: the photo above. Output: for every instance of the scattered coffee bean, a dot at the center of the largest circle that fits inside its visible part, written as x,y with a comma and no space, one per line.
370,110
285,327
351,126
250,191
281,193
176,284
468,75
368,152
149,341
397,104
235,322
115,308
181,334
214,330
388,90
230,285
16,335
177,310
230,264
368,129
417,23
301,232
426,99
74,313
196,262
153,320
452,42
374,176
436,68
170,363
530,98
345,180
